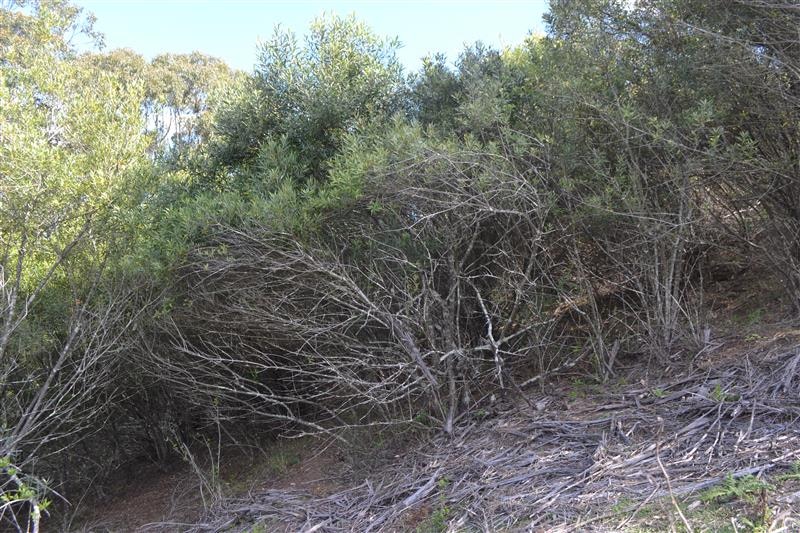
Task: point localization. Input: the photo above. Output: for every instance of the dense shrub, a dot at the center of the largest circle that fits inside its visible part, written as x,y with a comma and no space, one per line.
327,243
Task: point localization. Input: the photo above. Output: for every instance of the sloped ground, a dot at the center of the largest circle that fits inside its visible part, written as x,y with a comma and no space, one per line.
174,500
582,457
153,497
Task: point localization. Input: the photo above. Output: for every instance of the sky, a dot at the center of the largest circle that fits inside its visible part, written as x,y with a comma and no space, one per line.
231,29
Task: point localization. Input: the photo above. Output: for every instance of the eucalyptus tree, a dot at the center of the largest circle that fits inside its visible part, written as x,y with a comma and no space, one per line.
178,92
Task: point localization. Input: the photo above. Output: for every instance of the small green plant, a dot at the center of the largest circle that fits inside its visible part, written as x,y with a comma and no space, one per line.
437,521
280,461
792,475
375,207
258,528
622,504
754,317
744,488
423,418
658,392
578,389
573,394
29,492
753,337
758,525
720,395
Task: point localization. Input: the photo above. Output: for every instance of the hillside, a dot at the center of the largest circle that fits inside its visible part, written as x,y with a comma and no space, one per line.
706,441
554,285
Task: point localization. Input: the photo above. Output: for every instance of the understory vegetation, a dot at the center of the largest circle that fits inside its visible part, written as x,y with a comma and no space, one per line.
192,256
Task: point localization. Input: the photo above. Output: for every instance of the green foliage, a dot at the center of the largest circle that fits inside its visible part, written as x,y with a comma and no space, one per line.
792,475
308,96
719,394
73,161
437,522
423,418
472,99
754,317
18,489
280,461
658,392
628,134
178,93
293,140
439,517
744,488
72,158
434,96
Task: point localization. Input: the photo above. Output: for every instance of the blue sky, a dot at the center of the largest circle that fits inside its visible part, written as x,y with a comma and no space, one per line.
230,29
